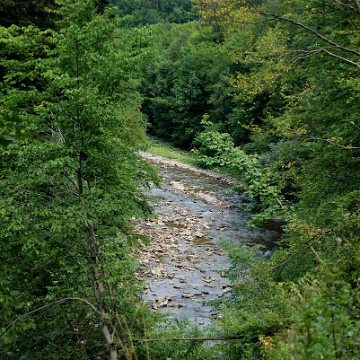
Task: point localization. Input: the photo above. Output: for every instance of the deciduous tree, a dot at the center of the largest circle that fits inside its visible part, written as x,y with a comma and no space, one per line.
70,190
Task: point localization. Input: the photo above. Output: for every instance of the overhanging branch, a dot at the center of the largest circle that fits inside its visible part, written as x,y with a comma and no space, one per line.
309,245
314,32
349,6
357,127
340,57
48,307
348,147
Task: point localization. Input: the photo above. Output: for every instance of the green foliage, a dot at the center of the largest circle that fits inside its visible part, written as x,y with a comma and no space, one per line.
257,307
215,149
327,326
297,90
151,12
279,81
70,190
25,12
189,79
168,328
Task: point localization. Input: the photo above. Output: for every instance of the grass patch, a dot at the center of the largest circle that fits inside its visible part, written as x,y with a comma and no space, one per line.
158,147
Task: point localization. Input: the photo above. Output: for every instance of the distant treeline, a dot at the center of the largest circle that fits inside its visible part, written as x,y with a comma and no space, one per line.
153,11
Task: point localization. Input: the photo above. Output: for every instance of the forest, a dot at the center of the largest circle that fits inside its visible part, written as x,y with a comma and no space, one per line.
267,91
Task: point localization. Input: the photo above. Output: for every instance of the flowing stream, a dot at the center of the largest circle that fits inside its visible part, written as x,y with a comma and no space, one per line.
183,266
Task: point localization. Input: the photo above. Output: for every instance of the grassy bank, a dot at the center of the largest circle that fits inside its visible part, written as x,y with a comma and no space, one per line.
158,147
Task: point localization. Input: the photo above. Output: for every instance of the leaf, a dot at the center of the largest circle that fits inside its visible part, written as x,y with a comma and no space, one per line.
9,138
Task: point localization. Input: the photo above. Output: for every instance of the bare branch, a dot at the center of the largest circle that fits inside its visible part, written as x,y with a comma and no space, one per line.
291,256
279,202
355,125
77,336
307,54
340,57
316,254
349,147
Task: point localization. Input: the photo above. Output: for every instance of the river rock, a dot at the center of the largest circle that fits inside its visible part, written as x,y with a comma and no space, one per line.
163,303
186,295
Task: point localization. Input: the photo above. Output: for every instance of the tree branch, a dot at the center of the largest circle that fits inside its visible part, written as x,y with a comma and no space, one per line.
340,57
72,181
215,338
348,6
308,245
349,147
77,336
355,125
316,254
291,256
358,4
56,259
314,32
48,307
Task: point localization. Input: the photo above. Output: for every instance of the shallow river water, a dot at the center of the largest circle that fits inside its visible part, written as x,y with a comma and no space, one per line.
183,265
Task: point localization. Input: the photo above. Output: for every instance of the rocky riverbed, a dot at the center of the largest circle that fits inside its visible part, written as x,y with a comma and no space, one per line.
183,265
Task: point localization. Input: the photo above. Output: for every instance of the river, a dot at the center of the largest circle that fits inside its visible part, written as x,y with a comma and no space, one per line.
183,266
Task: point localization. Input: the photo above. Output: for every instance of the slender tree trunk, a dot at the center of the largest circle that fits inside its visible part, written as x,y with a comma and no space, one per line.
100,291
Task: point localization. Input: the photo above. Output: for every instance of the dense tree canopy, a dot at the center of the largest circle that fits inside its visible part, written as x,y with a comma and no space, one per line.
298,93
267,89
151,12
69,190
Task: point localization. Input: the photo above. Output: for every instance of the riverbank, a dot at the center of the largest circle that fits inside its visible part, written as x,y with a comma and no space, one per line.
161,160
